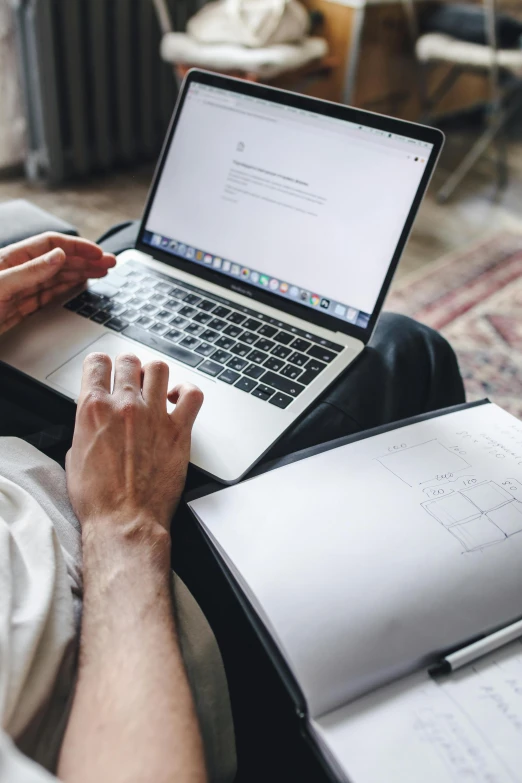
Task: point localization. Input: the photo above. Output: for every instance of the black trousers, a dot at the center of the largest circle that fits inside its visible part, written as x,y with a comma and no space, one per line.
407,369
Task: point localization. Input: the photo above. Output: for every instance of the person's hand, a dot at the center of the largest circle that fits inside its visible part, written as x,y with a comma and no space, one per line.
129,457
37,270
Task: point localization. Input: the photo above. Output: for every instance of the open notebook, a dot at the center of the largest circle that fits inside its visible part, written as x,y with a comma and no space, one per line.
365,564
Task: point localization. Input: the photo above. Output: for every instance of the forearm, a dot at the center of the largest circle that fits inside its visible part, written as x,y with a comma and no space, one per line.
132,718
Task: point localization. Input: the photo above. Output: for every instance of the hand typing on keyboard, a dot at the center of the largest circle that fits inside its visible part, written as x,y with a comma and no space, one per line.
129,457
37,270
256,354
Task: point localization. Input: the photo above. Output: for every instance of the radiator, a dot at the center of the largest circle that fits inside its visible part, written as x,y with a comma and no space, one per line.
97,95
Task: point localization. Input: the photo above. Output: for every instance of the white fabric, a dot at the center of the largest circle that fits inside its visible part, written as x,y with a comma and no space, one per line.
252,23
37,627
444,48
266,62
40,605
36,609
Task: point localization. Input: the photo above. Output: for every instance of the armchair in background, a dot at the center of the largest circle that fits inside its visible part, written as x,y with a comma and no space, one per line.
284,64
503,66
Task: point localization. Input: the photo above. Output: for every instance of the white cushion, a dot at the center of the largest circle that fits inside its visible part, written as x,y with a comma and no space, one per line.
266,62
444,48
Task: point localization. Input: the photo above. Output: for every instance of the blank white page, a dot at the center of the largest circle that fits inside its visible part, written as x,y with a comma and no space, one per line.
365,560
465,727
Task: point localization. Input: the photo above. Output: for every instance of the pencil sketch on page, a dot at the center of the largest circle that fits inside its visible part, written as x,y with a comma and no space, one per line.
477,513
415,465
479,516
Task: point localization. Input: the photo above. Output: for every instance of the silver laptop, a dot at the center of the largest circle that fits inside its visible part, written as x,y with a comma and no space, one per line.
269,240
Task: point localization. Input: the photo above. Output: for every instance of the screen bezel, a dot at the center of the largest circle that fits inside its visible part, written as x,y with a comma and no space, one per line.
338,111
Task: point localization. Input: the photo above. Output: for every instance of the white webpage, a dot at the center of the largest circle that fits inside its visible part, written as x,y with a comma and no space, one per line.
300,197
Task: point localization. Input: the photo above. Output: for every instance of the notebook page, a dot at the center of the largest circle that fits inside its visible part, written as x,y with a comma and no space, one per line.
465,727
365,560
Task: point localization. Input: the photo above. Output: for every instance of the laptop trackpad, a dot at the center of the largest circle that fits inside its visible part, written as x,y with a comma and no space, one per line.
69,376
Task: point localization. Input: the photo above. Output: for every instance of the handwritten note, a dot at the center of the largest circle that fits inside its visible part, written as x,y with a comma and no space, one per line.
465,727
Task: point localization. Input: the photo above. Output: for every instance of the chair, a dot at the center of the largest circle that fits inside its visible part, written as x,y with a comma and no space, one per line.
504,67
305,60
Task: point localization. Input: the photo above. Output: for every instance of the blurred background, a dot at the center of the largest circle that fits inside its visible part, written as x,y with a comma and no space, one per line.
88,87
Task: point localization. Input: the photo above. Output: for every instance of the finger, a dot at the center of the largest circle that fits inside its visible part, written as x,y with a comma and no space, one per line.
20,252
49,294
39,295
92,272
40,292
155,384
96,376
68,281
82,274
15,280
27,305
79,264
107,260
75,277
188,400
127,374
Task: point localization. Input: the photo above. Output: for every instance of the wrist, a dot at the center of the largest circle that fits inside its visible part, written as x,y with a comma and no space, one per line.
108,538
126,581
128,526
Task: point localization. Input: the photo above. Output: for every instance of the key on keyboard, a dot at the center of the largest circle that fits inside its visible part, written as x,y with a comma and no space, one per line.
229,376
164,346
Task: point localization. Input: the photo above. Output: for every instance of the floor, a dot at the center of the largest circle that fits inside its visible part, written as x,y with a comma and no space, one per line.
476,209
92,206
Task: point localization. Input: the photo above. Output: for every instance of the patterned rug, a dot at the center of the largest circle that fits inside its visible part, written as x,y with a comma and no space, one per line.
474,298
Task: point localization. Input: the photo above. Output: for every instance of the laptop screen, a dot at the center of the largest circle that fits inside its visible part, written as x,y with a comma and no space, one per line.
306,206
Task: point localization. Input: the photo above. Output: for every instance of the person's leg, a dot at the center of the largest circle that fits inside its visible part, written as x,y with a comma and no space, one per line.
406,369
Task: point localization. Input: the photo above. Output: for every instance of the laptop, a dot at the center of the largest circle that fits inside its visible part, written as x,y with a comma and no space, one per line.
271,233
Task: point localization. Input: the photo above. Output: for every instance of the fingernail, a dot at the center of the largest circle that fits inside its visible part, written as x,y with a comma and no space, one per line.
54,259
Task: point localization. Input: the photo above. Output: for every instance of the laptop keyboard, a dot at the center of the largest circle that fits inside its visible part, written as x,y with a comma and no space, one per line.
262,356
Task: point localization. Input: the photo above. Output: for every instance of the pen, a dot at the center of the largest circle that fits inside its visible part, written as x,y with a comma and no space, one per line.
478,649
